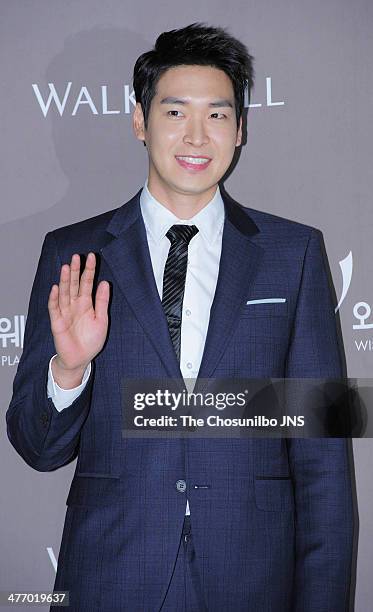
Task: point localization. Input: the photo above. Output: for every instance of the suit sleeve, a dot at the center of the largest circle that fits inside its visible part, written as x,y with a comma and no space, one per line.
320,467
44,437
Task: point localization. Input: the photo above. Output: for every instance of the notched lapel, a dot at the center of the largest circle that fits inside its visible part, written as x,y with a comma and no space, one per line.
239,262
128,257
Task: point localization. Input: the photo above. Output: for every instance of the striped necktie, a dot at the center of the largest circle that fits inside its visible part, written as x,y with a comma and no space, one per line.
174,279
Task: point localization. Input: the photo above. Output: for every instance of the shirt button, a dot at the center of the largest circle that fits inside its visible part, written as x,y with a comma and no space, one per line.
181,486
188,312
189,365
44,418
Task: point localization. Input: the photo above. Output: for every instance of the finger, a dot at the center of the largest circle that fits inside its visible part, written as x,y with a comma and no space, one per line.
53,306
102,300
86,281
64,287
74,276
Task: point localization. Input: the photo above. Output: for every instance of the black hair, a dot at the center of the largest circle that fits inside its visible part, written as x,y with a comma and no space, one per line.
195,44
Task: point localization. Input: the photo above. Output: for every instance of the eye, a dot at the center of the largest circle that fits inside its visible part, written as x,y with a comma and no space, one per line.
222,116
173,111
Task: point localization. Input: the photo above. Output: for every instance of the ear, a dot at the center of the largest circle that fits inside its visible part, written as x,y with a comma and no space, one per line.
239,133
138,122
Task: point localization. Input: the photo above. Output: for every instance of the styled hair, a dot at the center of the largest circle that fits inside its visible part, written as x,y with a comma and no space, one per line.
199,45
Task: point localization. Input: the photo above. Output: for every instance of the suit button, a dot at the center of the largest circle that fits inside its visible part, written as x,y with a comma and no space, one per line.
181,486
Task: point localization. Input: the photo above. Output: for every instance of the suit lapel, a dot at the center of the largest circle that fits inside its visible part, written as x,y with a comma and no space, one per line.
239,262
128,257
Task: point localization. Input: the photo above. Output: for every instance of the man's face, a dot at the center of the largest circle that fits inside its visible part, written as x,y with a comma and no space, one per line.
192,115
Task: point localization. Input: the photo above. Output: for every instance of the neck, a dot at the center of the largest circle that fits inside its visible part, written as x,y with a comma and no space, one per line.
182,205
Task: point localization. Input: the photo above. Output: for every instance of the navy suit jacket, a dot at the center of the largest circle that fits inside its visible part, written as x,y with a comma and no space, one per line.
273,532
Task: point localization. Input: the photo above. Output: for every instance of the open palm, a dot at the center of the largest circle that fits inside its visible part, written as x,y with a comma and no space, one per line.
79,330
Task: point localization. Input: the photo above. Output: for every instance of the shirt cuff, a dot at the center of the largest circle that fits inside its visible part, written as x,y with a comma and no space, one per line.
62,398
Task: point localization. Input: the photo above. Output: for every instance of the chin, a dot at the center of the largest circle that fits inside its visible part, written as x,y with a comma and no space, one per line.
195,184
193,190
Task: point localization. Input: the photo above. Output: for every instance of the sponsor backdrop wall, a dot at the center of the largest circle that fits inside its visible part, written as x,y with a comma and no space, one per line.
68,153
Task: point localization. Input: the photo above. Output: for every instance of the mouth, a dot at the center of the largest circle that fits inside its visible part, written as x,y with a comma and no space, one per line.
193,162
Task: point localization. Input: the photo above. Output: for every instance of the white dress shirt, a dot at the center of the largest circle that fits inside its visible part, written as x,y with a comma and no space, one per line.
202,272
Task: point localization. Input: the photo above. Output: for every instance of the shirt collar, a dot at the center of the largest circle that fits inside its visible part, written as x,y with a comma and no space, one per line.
158,219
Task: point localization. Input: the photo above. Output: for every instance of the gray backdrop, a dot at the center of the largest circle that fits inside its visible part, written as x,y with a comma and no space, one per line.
308,157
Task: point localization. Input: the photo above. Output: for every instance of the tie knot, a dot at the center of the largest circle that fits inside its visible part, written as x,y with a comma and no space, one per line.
181,233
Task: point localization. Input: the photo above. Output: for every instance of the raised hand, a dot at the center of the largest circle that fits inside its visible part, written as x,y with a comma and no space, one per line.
79,330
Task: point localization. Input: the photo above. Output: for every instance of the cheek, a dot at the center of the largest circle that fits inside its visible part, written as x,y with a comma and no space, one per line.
225,153
225,140
174,133
167,141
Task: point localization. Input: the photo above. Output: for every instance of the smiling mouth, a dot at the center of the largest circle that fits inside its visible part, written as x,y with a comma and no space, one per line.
193,160
193,163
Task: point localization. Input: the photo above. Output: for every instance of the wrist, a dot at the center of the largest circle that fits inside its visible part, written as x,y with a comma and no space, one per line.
67,377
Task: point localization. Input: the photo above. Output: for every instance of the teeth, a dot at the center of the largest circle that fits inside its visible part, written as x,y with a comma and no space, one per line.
194,160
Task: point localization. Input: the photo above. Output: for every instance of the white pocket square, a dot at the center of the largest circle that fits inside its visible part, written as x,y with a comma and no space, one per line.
267,301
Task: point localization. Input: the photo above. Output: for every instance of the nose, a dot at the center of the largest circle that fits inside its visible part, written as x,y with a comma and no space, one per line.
195,133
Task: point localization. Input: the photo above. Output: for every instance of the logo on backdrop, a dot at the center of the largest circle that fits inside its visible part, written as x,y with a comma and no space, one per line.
52,557
346,266
360,310
65,102
11,336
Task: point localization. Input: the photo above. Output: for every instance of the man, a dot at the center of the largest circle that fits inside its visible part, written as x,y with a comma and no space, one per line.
180,282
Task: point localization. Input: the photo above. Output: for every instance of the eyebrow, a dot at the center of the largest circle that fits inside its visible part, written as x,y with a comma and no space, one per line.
216,104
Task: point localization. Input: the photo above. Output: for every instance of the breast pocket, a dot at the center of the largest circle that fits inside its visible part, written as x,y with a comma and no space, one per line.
255,309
